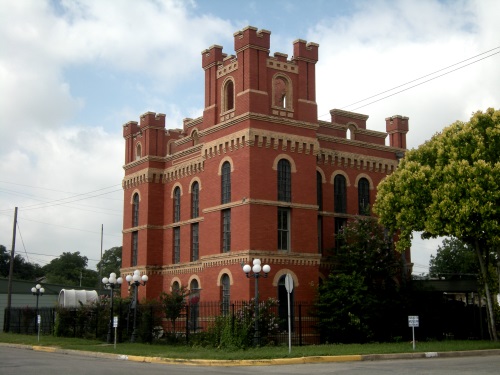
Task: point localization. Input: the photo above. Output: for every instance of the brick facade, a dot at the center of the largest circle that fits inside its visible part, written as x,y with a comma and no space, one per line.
259,109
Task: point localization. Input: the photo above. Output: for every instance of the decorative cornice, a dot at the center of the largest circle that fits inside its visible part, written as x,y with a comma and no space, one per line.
355,160
238,258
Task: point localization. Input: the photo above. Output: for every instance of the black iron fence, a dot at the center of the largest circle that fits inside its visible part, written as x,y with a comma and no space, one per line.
151,324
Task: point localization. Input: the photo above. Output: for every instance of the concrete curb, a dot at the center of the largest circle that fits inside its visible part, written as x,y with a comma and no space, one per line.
259,362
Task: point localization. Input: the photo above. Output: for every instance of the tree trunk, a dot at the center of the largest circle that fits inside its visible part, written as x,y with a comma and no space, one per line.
489,304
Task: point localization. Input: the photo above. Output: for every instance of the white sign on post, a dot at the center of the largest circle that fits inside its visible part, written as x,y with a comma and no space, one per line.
413,322
289,289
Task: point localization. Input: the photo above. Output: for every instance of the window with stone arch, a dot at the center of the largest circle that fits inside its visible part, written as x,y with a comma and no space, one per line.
364,196
226,182
228,95
225,293
135,210
340,194
284,181
195,137
195,199
177,204
138,151
282,92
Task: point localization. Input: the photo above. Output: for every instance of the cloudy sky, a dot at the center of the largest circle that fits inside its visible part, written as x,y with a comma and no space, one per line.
72,72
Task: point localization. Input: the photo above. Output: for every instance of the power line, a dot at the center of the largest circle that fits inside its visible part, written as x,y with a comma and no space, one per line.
421,83
424,76
62,226
418,79
22,241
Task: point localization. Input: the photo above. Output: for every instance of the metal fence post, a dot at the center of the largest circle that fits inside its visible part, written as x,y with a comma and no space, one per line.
300,324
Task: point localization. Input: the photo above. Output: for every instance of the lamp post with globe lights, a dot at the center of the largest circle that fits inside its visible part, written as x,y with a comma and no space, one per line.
256,270
135,280
37,291
110,283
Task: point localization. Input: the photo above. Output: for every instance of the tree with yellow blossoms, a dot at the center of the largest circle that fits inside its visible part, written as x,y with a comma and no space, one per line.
450,186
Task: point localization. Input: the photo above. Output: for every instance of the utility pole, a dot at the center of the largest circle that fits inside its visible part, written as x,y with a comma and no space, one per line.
6,326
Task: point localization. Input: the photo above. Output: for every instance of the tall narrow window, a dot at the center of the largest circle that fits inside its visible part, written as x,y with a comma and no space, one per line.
281,93
229,95
284,181
226,182
339,191
319,190
320,234
177,245
283,228
177,204
364,196
195,199
195,244
135,245
138,151
135,210
226,230
225,294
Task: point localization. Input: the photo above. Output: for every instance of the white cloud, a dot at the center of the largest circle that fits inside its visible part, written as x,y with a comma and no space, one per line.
386,44
153,48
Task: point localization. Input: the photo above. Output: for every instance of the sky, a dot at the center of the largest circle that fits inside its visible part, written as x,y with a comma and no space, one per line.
72,72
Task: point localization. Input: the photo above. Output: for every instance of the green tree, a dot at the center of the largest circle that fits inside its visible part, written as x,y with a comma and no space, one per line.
111,261
454,260
450,186
71,269
23,270
174,303
360,301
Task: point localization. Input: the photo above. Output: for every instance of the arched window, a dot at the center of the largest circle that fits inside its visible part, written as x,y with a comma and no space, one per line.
226,182
195,199
364,196
138,151
195,137
340,194
175,286
225,294
284,181
229,96
177,204
135,210
281,97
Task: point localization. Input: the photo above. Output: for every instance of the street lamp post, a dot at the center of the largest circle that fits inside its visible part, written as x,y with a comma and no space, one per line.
37,291
111,282
135,279
256,269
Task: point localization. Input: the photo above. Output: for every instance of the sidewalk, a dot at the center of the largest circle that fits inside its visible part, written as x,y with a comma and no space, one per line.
260,362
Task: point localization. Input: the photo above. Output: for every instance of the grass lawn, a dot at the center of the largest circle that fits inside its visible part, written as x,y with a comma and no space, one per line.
268,352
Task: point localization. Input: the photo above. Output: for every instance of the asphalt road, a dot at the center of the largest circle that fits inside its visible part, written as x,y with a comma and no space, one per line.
20,361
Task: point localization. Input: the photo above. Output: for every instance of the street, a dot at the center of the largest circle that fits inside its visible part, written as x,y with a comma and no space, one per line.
15,361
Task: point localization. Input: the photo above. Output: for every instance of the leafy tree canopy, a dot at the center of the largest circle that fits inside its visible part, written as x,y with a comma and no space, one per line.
358,303
111,261
23,270
454,260
71,269
449,186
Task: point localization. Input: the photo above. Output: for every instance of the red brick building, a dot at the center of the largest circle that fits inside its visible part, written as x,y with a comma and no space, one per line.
256,176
